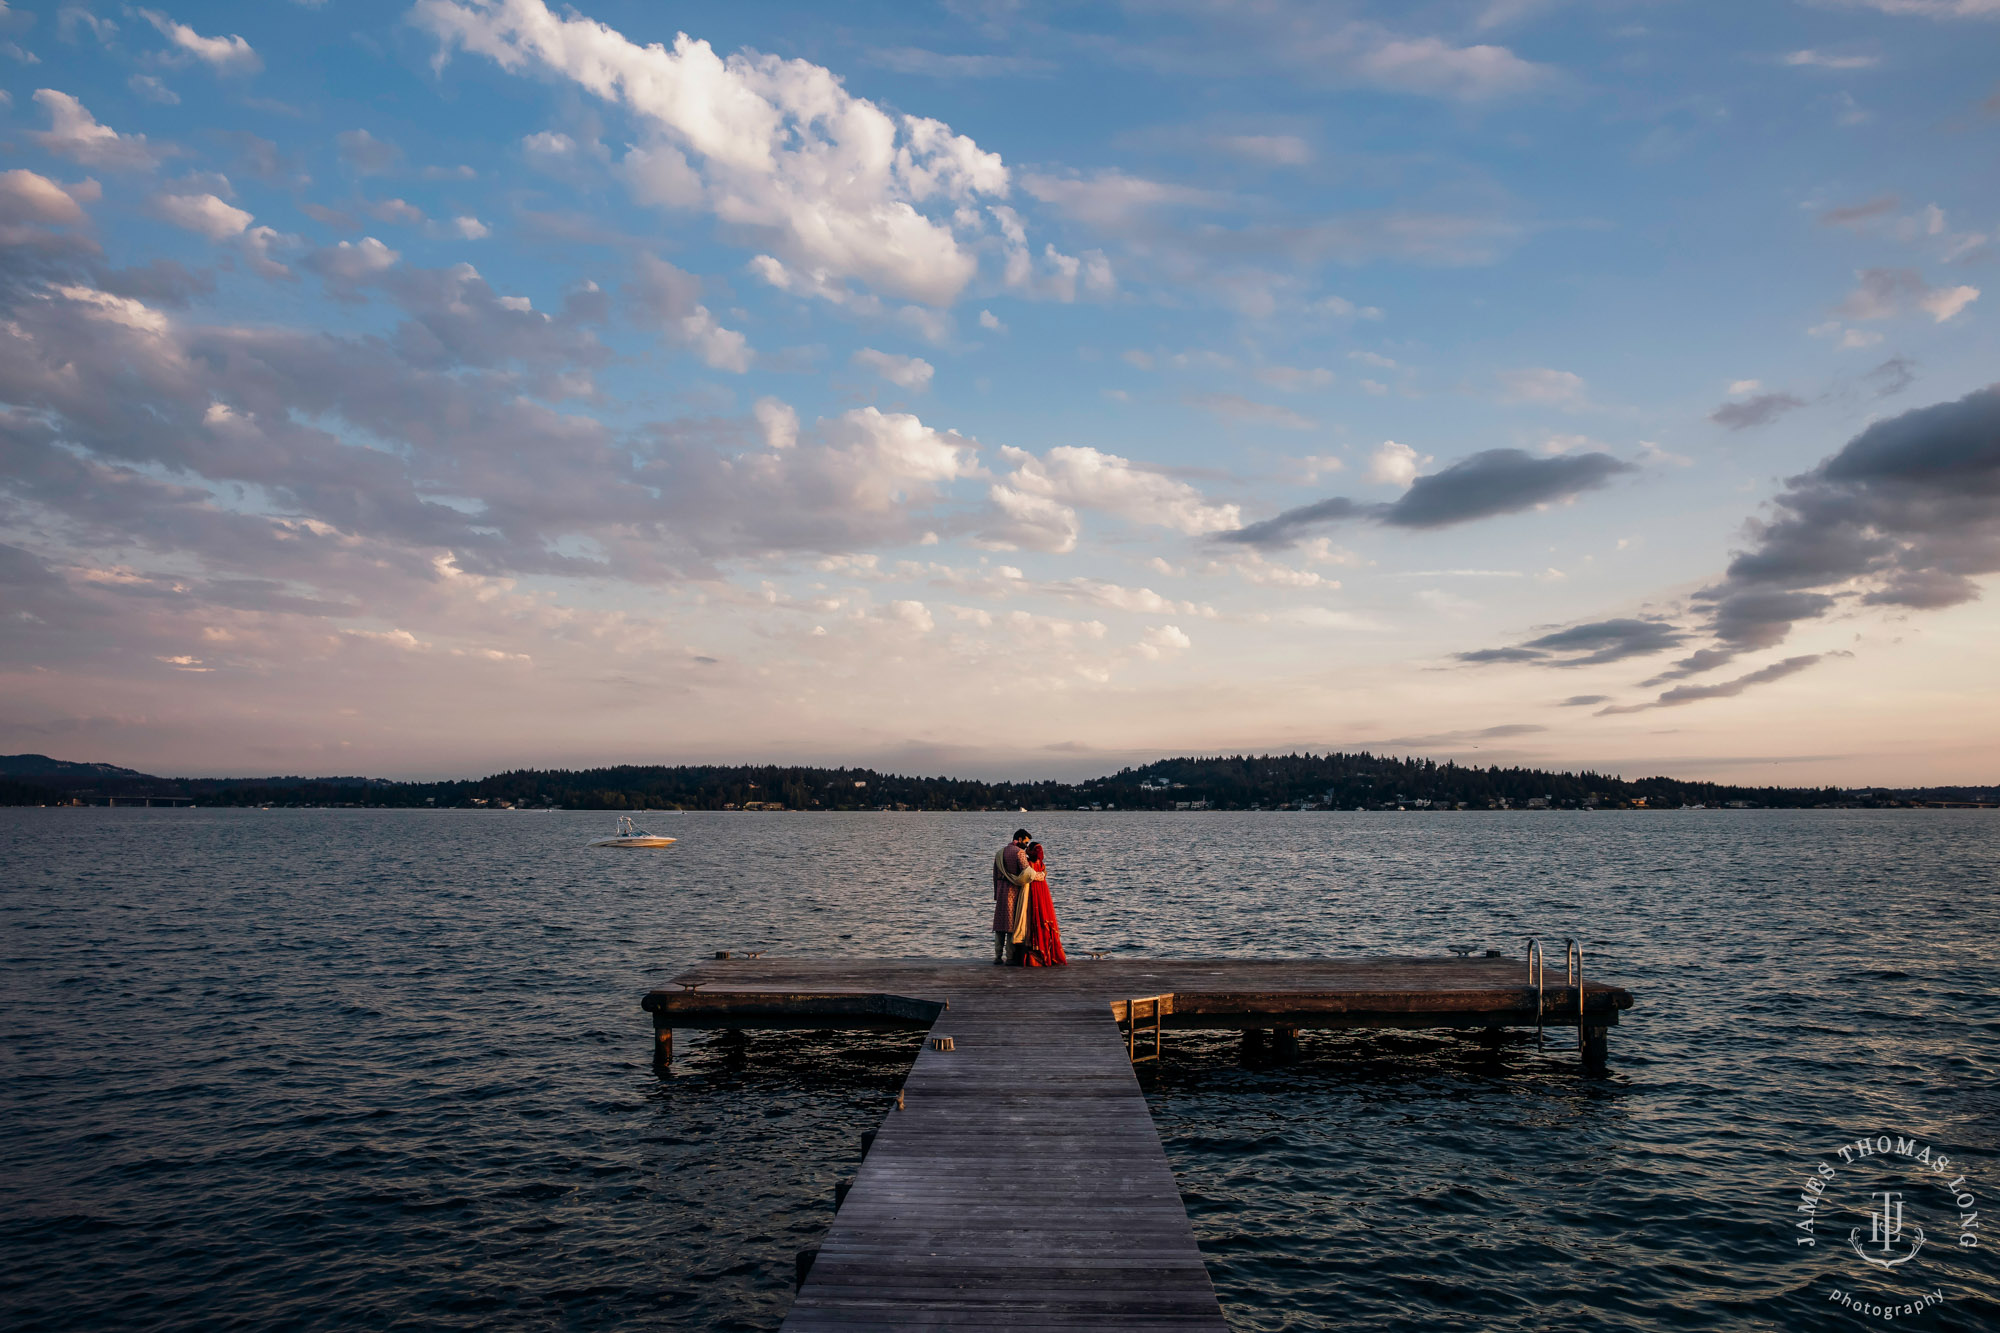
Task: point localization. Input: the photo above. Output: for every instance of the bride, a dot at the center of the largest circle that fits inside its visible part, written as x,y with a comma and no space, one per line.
1043,947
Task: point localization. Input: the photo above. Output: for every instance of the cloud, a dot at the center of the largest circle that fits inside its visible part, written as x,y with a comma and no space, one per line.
778,421
1235,407
776,150
154,91
906,372
1892,376
1759,410
1584,700
1499,481
75,134
1043,493
1681,695
1811,59
1850,215
937,65
1112,200
1542,386
1883,293
1322,45
28,197
1163,641
226,55
1482,485
202,213
1906,515
349,265
1931,9
1395,464
366,155
1295,379
1592,644
670,299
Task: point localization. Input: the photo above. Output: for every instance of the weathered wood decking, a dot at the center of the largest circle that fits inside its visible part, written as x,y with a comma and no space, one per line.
1021,1184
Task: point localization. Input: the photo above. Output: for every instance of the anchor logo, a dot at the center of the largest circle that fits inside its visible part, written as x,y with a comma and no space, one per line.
1885,1228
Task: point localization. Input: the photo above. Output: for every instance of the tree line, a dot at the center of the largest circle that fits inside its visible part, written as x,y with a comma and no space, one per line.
1222,782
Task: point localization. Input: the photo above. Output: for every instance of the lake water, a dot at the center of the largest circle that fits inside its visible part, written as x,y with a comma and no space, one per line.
340,1069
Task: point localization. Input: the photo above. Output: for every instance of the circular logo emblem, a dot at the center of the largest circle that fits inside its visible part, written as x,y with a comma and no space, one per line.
1888,1220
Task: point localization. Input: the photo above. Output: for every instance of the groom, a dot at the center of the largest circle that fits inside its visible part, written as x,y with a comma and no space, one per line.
1011,876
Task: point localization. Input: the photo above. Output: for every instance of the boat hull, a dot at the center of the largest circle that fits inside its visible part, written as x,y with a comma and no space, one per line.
644,840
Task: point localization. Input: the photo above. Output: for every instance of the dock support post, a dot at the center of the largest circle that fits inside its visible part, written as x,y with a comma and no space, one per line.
663,1047
1596,1047
1256,1048
1285,1046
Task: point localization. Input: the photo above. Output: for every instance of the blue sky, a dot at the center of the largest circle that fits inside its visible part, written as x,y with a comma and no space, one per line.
1001,388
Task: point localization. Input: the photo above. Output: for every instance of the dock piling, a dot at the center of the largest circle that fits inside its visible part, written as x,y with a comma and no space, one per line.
663,1045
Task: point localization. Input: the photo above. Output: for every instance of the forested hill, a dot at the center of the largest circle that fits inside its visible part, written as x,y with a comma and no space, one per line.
1238,782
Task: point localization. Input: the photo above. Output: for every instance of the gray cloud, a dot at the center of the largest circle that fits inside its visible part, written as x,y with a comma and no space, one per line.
1499,481
1483,485
1849,215
1589,644
1584,700
1293,524
1906,515
1686,694
1891,377
1760,410
1909,510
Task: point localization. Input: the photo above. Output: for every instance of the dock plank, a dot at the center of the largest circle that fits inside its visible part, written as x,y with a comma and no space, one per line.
1022,1186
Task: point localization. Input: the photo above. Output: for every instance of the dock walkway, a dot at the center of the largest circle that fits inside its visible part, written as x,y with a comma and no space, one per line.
1021,1184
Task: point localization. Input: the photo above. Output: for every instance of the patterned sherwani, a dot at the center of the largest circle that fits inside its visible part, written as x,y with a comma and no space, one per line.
1010,899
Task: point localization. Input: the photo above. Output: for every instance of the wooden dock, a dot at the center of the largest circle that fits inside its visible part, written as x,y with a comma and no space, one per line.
1020,1183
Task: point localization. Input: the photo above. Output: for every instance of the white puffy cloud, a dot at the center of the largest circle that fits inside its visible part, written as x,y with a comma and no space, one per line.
28,197
347,265
907,372
204,214
1163,641
1395,464
778,421
1031,522
777,150
76,134
223,54
1086,478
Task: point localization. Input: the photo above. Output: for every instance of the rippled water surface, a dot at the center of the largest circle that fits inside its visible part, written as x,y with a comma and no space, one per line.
339,1069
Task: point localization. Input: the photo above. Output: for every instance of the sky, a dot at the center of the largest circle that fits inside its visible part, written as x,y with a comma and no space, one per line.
1001,388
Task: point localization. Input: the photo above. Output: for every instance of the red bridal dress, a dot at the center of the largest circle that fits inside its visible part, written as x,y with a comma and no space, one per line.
1044,945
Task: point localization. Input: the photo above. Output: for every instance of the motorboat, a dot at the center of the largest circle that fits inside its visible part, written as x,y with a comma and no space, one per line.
629,835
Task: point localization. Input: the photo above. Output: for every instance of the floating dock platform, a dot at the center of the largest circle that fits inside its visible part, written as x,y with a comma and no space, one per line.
1019,1184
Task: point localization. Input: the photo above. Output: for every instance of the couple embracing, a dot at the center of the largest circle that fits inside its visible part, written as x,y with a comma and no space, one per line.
1024,916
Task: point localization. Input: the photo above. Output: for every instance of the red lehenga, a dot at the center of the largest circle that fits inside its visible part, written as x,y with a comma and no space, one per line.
1043,947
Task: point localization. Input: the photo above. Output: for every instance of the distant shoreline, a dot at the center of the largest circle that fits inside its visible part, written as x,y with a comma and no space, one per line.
1299,781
